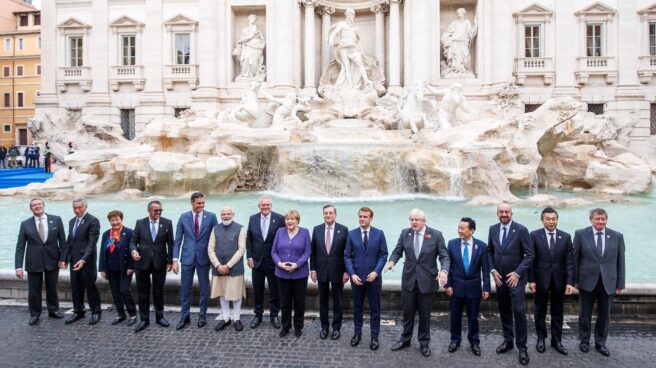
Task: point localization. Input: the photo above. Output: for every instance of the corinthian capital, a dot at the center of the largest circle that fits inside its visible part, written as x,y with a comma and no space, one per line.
325,10
380,8
308,3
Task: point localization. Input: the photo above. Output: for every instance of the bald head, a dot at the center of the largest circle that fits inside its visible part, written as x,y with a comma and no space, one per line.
504,213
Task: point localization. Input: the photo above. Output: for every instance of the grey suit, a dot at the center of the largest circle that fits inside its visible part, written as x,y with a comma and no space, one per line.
418,281
598,277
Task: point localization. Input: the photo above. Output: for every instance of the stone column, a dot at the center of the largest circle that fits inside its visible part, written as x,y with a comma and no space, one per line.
99,102
325,12
380,10
281,53
49,62
206,96
395,45
419,47
152,99
310,62
566,32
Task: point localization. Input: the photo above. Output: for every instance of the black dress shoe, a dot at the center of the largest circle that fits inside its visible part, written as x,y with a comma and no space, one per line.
118,320
141,326
183,323
162,322
202,321
559,347
400,345
336,335
505,347
238,326
256,321
373,345
584,347
540,345
425,350
34,320
298,332
476,350
356,339
453,347
323,334
74,318
222,324
283,332
132,321
95,318
602,350
56,315
275,321
523,358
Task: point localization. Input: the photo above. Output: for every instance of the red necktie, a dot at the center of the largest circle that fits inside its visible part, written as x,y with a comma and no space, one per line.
196,227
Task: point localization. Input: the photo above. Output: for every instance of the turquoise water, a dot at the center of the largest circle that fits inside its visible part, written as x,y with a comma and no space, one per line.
636,219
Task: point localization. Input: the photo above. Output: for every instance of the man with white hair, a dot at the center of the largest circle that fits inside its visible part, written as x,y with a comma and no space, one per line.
422,246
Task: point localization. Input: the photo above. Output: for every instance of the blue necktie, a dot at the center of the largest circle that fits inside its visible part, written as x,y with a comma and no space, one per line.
600,244
153,230
504,238
465,257
77,224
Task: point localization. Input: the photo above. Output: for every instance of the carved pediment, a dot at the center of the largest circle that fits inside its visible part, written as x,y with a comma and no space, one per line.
126,22
180,20
73,23
597,8
535,11
650,10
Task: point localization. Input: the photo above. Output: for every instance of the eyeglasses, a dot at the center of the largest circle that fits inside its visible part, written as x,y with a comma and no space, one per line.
158,210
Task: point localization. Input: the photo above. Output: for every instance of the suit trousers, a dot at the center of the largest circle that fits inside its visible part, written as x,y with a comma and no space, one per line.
556,310
186,287
512,305
324,304
81,281
265,271
35,283
471,306
415,301
292,296
143,289
372,292
604,304
120,284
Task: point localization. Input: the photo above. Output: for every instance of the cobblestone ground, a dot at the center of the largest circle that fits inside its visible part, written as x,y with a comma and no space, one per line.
53,344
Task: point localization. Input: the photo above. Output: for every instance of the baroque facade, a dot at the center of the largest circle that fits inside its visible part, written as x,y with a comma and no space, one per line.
129,61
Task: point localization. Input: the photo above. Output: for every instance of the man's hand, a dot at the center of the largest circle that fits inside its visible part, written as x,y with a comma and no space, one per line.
372,276
356,280
449,292
136,256
618,291
224,269
497,278
345,278
78,265
486,295
531,287
513,279
130,272
313,276
389,266
175,267
168,267
250,262
104,275
442,278
20,274
62,265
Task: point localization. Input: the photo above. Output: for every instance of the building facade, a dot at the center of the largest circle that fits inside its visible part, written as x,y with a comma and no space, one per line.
129,61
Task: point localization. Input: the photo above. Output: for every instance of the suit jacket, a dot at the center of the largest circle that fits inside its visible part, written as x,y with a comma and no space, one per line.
41,256
517,256
123,248
160,251
329,266
194,248
421,269
589,266
468,284
256,247
82,245
557,264
362,263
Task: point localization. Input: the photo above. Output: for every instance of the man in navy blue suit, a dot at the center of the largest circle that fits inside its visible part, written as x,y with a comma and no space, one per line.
469,263
511,256
551,277
262,228
192,235
364,257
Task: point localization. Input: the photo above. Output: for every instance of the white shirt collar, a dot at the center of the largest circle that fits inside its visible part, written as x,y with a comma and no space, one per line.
470,241
507,226
595,231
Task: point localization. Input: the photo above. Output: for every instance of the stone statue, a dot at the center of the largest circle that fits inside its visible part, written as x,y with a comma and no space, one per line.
248,111
452,100
416,110
285,114
456,42
250,50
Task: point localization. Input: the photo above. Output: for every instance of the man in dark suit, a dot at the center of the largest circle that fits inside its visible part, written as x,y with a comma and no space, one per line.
422,246
599,275
42,244
469,263
83,234
151,247
327,266
511,256
364,257
261,231
192,235
551,277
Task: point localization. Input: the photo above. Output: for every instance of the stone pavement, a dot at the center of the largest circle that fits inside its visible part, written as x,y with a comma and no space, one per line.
53,344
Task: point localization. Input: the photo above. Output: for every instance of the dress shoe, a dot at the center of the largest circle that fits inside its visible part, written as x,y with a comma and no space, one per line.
162,322
202,321
74,318
141,326
476,350
283,332
323,334
183,323
34,320
238,326
425,350
540,345
298,332
400,345
336,335
584,347
523,358
95,318
275,321
356,339
132,321
373,345
256,321
504,347
221,325
56,315
559,347
453,347
118,320
602,350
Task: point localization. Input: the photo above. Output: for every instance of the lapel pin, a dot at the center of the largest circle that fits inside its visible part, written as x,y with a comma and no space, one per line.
513,230
560,237
409,234
607,236
337,231
51,221
273,220
476,246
